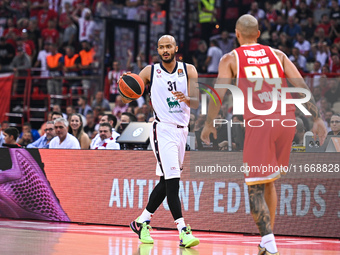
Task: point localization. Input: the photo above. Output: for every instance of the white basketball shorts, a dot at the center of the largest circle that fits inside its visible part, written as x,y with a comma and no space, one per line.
168,142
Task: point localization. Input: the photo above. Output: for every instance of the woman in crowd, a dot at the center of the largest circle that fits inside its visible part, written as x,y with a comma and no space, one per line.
335,125
76,128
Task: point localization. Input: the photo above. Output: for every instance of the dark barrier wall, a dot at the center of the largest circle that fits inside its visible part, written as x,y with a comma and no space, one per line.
112,187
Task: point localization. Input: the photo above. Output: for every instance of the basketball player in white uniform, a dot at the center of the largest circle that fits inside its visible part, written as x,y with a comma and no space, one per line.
169,92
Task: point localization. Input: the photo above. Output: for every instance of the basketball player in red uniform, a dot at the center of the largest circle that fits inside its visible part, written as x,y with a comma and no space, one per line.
262,68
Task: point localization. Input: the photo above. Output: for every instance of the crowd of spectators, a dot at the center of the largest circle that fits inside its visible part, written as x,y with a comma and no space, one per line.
52,38
57,21
29,26
57,39
308,32
83,127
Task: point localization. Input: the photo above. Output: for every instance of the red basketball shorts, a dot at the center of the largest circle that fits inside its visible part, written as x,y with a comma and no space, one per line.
267,146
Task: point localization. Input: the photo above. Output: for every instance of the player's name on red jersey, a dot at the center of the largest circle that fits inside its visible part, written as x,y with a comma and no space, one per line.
259,69
256,53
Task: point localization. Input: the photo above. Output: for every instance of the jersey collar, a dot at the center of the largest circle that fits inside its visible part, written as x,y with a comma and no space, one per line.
247,45
173,71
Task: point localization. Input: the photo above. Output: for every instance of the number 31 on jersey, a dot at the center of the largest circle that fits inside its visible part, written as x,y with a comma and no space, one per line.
172,86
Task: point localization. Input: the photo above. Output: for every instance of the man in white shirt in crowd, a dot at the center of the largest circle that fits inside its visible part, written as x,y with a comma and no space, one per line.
85,23
112,120
106,141
57,109
303,45
258,13
63,140
299,59
41,59
213,57
99,100
225,41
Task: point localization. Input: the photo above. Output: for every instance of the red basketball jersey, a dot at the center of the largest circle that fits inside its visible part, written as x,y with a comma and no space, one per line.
259,68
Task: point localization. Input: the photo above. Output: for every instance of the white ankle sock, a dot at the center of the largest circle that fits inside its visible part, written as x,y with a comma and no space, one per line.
145,216
268,241
180,224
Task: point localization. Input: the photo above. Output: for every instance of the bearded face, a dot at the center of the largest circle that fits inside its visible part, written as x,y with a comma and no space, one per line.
167,49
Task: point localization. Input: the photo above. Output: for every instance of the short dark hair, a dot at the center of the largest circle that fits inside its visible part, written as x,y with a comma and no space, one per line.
12,131
89,113
131,116
106,124
240,117
70,47
84,98
56,113
214,42
27,124
111,117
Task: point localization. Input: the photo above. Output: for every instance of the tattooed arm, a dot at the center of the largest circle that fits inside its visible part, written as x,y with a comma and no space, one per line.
259,209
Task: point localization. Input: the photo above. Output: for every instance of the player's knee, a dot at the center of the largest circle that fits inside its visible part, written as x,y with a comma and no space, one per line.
256,189
162,182
172,186
161,185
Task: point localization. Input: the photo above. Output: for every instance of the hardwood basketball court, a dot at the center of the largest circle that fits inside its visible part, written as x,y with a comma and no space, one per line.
47,238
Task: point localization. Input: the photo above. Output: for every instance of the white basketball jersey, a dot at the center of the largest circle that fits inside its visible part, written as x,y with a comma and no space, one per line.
167,109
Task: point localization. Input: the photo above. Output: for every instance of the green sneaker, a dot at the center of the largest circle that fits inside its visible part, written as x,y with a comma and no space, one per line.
187,239
142,230
144,249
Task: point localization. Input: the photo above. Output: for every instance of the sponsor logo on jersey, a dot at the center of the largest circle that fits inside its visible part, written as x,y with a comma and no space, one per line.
180,72
172,102
173,105
158,71
258,61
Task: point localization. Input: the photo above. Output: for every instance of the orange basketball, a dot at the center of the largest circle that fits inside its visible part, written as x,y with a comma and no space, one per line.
131,86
